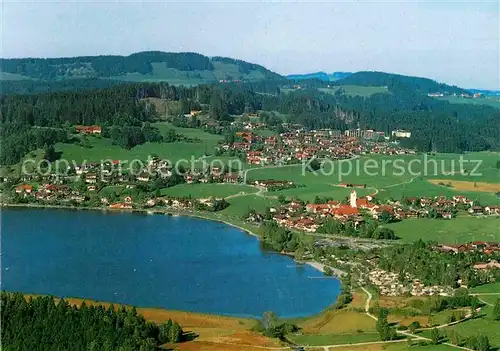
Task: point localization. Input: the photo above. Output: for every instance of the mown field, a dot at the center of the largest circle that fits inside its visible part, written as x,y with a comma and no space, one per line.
207,190
483,324
485,100
453,231
351,90
393,176
212,332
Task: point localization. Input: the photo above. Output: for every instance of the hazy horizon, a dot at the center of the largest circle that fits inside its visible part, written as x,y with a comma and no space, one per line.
454,43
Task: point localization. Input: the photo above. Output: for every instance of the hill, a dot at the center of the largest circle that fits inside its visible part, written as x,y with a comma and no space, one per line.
176,68
397,81
320,75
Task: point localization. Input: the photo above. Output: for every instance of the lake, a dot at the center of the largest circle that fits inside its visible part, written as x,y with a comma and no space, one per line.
179,263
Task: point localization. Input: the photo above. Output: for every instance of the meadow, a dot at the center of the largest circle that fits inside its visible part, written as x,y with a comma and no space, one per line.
356,90
483,324
162,73
208,190
485,100
351,90
211,332
453,231
384,175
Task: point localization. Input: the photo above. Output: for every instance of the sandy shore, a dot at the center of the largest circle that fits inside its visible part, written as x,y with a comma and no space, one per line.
321,267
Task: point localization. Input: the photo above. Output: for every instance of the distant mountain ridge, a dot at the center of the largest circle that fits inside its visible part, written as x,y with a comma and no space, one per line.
320,75
485,92
183,68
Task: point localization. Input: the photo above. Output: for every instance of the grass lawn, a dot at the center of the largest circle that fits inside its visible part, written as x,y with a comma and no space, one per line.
421,187
483,324
454,231
207,190
337,322
333,339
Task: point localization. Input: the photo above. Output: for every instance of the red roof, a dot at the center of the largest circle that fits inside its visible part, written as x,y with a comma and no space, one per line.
362,202
344,210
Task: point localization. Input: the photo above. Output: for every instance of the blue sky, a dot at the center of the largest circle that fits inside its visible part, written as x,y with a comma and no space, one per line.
452,42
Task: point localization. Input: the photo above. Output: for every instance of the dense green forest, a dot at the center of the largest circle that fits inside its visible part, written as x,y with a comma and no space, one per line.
41,324
435,125
113,65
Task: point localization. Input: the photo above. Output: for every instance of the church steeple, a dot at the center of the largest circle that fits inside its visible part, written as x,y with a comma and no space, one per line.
352,199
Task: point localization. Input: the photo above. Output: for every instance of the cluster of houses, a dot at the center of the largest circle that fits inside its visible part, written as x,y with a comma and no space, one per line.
50,193
309,217
388,284
186,204
300,145
96,130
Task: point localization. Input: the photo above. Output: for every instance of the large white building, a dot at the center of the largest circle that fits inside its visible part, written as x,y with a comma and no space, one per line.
401,133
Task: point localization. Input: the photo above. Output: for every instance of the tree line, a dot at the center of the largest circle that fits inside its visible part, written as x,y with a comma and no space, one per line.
39,323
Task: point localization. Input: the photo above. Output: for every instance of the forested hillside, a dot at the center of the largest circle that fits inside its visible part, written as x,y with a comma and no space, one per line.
398,82
185,68
320,75
41,324
39,120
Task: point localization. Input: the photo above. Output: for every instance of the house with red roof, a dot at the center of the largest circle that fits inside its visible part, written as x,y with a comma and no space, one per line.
24,188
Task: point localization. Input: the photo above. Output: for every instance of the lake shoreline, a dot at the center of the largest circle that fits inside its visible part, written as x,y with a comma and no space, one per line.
316,265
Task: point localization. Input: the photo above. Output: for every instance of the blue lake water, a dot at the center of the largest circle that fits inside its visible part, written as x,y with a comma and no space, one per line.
179,263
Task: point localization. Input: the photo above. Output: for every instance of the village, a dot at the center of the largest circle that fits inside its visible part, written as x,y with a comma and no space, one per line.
297,144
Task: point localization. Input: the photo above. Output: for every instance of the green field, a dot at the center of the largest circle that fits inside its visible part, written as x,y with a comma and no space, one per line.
207,190
333,339
421,187
453,231
102,149
485,100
